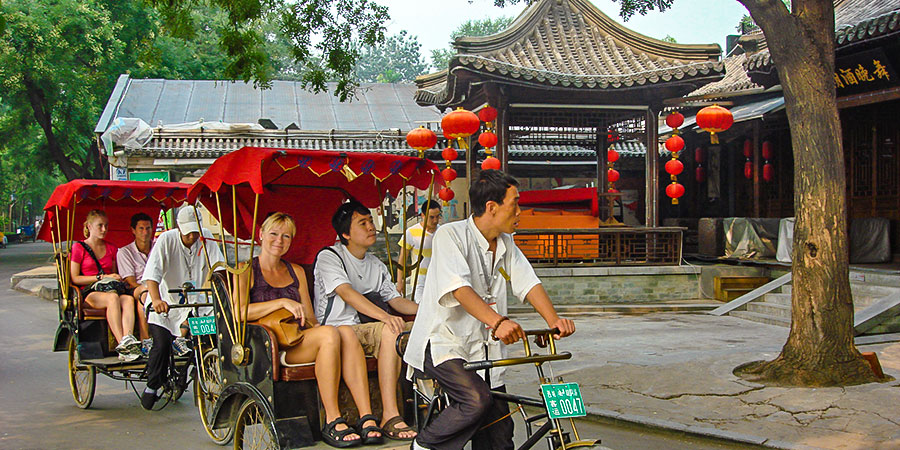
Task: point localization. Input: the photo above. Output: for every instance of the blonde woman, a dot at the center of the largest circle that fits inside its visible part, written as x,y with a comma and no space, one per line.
278,284
93,260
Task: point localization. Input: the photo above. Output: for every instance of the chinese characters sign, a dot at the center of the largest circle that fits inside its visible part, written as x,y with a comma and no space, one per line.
202,325
563,400
864,72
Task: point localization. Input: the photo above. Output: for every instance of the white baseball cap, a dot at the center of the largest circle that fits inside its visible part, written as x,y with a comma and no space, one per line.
187,221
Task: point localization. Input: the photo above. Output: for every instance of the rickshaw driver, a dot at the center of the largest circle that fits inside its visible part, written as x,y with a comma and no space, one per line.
176,258
465,302
344,276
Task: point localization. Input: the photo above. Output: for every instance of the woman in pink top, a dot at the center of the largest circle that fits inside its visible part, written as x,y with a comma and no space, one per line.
84,270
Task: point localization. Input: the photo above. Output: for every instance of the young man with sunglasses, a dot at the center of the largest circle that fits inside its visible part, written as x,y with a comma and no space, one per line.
349,282
463,316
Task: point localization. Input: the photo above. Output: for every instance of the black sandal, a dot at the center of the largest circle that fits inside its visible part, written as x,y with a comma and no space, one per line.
364,432
335,438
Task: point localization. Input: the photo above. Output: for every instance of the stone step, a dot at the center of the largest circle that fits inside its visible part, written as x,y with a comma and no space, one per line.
778,298
770,309
761,318
787,288
880,279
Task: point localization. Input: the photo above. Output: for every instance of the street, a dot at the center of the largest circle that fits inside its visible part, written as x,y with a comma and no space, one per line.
37,410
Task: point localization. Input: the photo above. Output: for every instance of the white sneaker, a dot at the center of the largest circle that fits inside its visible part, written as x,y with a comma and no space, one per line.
181,346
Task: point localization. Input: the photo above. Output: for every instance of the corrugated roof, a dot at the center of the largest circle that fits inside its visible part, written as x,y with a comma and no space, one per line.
572,44
854,21
380,106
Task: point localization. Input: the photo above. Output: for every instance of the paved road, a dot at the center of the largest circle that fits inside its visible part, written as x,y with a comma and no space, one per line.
37,411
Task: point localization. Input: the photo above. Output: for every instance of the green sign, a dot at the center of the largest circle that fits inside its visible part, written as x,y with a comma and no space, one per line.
563,400
148,176
202,325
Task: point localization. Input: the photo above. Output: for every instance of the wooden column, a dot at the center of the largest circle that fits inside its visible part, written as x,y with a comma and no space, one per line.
651,196
757,171
470,174
502,130
601,173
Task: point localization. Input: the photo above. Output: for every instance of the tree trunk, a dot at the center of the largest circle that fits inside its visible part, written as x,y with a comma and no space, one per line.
41,114
819,350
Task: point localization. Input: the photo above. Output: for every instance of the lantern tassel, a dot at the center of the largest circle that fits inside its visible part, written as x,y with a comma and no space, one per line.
674,201
713,139
462,143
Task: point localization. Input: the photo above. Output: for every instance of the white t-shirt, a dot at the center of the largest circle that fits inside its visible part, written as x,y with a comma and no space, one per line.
131,262
462,258
171,264
364,275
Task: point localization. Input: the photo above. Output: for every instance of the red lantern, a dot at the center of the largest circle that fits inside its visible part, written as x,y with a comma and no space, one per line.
460,124
768,172
490,163
767,151
714,119
612,136
674,144
699,156
446,194
674,120
748,149
612,175
487,139
449,153
487,114
675,190
448,174
674,167
612,155
748,170
421,139
700,174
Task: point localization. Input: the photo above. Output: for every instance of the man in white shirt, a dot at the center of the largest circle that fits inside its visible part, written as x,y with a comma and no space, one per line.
177,257
412,244
347,279
463,314
130,261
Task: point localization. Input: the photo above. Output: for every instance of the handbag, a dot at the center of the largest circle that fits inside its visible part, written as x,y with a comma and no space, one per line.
373,297
104,284
286,328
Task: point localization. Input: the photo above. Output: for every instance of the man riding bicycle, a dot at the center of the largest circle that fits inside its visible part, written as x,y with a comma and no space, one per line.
462,316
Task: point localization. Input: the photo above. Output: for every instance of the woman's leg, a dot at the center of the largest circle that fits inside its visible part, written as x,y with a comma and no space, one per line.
126,302
110,301
323,345
353,364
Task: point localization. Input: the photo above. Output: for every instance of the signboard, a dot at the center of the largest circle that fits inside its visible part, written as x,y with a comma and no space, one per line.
563,400
148,176
864,72
118,173
202,325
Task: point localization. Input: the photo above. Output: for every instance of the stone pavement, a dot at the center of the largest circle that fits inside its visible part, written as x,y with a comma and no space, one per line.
674,371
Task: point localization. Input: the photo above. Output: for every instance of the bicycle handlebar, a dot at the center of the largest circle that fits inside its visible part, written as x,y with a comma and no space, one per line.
191,305
536,359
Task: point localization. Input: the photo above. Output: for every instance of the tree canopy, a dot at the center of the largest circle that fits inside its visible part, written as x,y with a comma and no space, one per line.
398,59
478,27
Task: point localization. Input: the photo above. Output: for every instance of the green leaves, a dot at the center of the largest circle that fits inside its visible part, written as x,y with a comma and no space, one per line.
478,27
629,7
398,59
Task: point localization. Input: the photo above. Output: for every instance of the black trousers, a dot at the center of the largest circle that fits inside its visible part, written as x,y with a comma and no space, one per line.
471,408
158,361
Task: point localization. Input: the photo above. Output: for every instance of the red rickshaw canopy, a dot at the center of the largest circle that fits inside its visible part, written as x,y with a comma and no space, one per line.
119,199
307,184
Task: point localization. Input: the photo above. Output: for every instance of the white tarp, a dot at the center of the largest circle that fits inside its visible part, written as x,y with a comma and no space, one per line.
201,126
785,239
126,132
750,238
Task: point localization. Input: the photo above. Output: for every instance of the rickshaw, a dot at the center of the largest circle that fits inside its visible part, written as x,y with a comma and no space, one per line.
83,331
265,404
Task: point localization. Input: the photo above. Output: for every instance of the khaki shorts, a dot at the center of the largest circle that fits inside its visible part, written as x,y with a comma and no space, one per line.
369,335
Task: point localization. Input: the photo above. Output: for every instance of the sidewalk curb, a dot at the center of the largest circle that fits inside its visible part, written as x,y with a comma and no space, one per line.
710,432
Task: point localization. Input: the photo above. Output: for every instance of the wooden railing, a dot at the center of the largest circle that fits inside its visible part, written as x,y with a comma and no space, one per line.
659,246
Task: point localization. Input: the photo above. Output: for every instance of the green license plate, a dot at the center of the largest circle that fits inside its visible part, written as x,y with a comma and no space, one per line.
202,325
563,400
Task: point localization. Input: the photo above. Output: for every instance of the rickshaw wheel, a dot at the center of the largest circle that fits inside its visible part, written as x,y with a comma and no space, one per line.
207,387
253,429
82,379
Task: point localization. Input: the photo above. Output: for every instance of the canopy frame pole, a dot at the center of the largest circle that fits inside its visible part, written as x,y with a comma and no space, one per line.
250,261
229,277
422,240
387,241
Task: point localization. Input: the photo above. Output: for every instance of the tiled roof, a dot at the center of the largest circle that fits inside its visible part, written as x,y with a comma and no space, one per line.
380,106
854,21
569,44
736,79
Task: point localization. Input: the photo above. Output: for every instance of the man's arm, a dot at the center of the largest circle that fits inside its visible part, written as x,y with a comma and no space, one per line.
153,290
539,299
506,330
401,271
404,305
131,281
362,305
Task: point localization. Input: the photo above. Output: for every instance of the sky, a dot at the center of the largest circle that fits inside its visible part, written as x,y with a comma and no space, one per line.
689,21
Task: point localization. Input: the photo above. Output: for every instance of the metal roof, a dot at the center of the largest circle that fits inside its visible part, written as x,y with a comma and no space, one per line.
748,111
379,106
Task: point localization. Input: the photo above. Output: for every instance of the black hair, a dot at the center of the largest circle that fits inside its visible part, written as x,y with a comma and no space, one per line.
491,185
139,217
344,215
434,205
